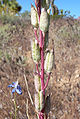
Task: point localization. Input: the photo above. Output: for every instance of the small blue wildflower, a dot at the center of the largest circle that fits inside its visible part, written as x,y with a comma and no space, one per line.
15,87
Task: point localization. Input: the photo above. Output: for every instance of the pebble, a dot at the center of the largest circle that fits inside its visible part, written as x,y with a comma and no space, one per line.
1,91
6,118
1,106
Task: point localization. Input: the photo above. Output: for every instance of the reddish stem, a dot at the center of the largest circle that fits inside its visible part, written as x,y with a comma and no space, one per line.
47,81
42,58
35,32
42,61
38,70
41,44
39,9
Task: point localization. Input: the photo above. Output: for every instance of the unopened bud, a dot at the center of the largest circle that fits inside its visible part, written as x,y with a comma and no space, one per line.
35,51
43,3
44,22
49,62
47,4
34,16
37,104
37,82
39,101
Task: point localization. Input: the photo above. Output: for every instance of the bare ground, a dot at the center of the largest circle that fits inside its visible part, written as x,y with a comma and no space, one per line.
64,84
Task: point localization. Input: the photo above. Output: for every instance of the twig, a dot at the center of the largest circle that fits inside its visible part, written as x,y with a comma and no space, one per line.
28,90
27,109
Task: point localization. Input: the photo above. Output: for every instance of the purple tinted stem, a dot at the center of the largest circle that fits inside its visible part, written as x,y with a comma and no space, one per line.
41,44
42,61
35,32
47,81
38,70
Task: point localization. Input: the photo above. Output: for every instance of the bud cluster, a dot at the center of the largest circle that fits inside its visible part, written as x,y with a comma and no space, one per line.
40,18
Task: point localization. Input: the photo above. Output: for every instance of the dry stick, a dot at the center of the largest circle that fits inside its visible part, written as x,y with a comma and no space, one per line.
27,109
28,90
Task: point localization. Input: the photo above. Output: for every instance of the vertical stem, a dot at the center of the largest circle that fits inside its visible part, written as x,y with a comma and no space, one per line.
42,61
42,51
38,70
35,32
15,106
42,58
39,9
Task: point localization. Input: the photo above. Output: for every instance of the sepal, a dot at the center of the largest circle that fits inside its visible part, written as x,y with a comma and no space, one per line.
37,82
39,101
44,22
48,65
34,16
35,51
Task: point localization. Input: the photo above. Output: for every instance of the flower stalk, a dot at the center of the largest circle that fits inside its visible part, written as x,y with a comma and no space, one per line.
41,22
16,89
15,105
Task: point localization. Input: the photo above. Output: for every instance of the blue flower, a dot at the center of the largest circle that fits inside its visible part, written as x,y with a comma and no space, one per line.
16,87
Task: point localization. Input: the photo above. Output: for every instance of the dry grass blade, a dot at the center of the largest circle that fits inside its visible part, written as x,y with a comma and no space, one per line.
28,90
27,109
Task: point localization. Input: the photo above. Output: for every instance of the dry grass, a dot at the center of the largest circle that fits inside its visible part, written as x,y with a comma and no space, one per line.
64,85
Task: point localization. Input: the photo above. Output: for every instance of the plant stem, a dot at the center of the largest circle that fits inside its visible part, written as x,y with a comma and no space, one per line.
41,44
15,105
42,69
42,61
47,81
35,32
38,70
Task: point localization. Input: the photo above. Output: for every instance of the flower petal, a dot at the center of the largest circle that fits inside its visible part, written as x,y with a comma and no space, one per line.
13,90
19,91
10,85
16,84
19,87
13,83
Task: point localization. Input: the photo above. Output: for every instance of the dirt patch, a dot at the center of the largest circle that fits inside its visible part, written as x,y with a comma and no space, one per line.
64,85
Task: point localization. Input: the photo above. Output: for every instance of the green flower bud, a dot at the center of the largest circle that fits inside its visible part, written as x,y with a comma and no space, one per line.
37,82
35,51
43,3
48,65
34,16
39,101
47,4
44,22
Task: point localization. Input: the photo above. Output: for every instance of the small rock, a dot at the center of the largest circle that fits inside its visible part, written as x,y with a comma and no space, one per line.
1,106
78,85
78,98
77,76
6,118
1,91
